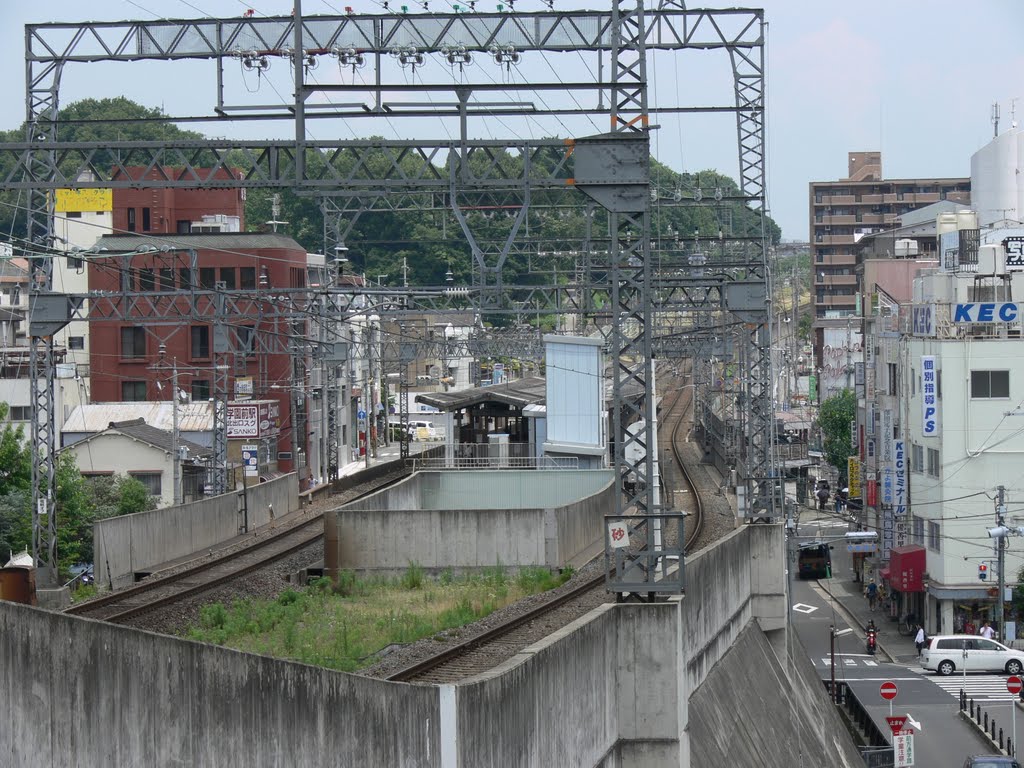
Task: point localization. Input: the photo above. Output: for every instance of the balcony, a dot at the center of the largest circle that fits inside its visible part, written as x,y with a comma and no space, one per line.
839,219
839,302
838,280
873,199
837,260
833,239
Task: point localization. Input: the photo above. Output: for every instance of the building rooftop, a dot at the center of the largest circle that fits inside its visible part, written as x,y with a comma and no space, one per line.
519,394
96,417
163,439
208,240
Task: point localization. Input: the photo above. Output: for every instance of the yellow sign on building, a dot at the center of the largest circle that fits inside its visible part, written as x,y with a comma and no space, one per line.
80,200
853,477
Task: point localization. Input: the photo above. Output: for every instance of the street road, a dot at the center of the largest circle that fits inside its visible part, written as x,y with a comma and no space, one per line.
932,701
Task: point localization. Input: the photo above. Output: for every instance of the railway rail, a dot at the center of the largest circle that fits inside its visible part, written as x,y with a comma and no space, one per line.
163,591
479,653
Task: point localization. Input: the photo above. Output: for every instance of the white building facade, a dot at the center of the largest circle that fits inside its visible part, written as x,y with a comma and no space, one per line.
962,368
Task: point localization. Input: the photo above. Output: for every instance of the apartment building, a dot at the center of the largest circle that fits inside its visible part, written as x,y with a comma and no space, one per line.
841,213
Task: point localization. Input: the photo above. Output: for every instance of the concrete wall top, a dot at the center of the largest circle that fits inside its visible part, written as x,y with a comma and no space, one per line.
161,700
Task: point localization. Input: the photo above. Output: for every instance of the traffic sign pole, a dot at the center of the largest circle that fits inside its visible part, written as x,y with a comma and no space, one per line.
1014,685
888,691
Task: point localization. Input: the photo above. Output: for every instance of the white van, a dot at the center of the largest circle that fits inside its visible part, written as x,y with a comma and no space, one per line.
947,654
422,430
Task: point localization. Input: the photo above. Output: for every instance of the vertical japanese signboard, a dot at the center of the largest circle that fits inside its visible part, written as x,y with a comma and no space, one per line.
885,446
930,422
853,477
899,504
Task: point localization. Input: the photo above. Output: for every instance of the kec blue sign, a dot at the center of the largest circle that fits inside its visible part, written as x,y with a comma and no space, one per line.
924,320
986,312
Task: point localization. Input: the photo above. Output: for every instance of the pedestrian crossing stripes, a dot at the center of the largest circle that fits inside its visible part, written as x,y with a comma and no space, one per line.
978,687
846,661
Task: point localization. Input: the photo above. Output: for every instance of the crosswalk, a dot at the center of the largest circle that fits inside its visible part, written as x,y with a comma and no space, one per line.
978,687
847,661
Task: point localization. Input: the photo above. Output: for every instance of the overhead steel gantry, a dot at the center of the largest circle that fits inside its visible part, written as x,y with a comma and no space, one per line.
469,171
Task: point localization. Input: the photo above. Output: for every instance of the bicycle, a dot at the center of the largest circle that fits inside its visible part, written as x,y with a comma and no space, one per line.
908,625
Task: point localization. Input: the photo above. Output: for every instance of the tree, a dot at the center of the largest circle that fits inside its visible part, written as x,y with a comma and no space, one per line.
834,419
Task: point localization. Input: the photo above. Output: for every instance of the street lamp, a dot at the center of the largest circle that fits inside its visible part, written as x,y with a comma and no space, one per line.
833,634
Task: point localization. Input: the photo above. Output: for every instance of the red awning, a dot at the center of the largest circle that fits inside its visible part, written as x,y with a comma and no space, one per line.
907,565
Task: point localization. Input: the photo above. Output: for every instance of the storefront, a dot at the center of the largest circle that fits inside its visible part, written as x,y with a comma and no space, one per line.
905,577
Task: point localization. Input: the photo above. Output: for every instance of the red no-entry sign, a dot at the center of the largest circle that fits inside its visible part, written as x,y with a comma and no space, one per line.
888,690
1014,684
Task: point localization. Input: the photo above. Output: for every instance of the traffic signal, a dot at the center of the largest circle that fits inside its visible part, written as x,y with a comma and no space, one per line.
983,571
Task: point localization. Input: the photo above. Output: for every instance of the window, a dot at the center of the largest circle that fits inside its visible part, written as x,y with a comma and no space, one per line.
990,384
246,339
20,413
933,462
200,390
149,479
76,342
133,391
185,278
76,262
200,342
147,280
247,278
934,537
892,378
297,277
917,530
166,279
131,219
227,276
913,382
183,226
133,342
145,220
916,458
207,278
73,214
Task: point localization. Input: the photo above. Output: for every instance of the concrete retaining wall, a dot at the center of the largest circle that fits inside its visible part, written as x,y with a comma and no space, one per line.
129,544
612,690
80,692
386,531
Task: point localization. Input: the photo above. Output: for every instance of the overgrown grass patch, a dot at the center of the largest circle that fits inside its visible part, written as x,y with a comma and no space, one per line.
345,625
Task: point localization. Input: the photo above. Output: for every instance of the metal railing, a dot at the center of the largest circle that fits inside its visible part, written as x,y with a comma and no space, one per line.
987,723
498,462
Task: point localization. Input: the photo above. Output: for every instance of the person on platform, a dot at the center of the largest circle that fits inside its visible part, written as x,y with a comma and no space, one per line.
986,630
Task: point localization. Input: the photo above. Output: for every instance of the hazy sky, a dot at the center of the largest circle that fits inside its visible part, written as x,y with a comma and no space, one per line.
914,78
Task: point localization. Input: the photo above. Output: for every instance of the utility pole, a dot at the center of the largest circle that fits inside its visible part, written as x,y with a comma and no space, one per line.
175,450
1001,549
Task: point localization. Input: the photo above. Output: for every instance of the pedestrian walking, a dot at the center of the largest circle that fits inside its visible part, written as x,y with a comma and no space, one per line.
986,630
872,594
919,640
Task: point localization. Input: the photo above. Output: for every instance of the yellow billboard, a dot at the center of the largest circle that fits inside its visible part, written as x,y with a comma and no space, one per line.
853,477
79,200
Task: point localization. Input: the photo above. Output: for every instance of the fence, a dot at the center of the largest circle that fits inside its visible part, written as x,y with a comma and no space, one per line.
499,462
980,718
878,752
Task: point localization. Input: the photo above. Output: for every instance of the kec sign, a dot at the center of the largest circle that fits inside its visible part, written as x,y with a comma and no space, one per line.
986,312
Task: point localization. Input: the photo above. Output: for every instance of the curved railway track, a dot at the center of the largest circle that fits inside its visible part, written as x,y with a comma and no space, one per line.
485,650
163,591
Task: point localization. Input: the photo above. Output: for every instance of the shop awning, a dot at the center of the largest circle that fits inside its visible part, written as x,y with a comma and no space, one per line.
940,592
884,572
907,566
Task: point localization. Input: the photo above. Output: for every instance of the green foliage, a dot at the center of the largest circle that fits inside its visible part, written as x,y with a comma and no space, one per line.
413,576
834,418
803,328
532,580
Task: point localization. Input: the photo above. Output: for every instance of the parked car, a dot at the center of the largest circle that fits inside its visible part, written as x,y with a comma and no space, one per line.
946,654
991,761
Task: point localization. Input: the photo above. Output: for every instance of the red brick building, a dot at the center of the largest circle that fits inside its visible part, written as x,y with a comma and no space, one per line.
161,210
123,354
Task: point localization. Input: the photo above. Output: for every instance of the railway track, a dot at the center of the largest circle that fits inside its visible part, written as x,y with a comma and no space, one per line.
162,592
485,650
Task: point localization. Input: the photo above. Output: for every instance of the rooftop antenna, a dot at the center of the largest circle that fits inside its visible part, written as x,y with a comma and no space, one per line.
995,119
1013,111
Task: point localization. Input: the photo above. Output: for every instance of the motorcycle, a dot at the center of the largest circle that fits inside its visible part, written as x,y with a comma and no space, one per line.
872,640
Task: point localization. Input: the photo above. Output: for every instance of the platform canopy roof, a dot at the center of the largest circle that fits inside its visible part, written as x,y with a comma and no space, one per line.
518,394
